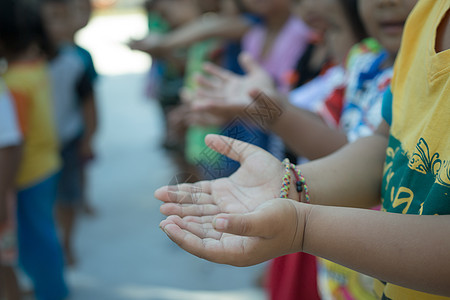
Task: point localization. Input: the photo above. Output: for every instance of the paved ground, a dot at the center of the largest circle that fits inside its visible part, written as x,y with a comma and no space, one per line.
122,253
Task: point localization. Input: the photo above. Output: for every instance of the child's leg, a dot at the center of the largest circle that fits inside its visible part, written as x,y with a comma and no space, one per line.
86,204
9,288
66,219
70,194
40,252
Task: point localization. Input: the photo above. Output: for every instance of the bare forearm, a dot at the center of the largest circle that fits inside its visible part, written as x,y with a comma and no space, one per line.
306,134
222,27
380,244
349,177
90,117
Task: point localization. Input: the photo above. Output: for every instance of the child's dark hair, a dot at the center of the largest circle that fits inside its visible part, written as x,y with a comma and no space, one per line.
350,8
20,27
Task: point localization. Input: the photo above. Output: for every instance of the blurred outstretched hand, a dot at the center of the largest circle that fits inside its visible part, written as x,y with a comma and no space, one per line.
226,94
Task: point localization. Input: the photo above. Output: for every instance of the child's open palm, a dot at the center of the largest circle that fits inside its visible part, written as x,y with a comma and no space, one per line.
195,210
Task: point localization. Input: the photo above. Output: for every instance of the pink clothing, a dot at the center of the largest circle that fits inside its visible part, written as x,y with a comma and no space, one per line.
285,53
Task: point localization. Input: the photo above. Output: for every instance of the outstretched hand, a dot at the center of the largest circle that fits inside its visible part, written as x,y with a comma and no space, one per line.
226,94
246,201
257,180
272,229
151,44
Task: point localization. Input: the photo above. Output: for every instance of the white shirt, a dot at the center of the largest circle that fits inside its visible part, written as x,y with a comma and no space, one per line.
65,71
10,134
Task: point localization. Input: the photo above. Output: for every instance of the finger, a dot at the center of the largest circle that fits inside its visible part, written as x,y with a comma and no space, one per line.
184,210
212,83
234,149
187,96
247,63
200,186
217,71
210,106
170,193
181,237
260,223
190,198
200,220
205,95
201,229
203,248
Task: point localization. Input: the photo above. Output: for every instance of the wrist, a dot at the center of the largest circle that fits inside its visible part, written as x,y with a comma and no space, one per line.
265,110
303,213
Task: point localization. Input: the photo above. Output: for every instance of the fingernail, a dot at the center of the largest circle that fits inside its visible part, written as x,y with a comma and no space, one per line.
221,224
165,231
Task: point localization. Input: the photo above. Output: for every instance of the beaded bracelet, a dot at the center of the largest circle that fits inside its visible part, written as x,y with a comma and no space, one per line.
300,181
286,182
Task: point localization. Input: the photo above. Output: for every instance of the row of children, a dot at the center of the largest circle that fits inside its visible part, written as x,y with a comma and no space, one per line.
295,47
47,123
344,57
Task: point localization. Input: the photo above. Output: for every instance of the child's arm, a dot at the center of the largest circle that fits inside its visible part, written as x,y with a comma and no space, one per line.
85,89
228,27
409,250
227,95
307,134
90,121
203,28
9,162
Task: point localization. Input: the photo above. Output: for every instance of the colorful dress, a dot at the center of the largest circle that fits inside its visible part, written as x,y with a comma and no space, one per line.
359,115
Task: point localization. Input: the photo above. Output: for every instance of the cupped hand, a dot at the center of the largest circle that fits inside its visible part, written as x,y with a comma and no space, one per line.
257,180
269,230
235,220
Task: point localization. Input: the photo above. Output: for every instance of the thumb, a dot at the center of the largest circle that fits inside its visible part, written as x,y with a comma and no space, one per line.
248,63
250,224
232,148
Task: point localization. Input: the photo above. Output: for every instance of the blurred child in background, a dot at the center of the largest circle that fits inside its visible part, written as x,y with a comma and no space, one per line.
81,11
23,43
165,77
72,80
278,43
